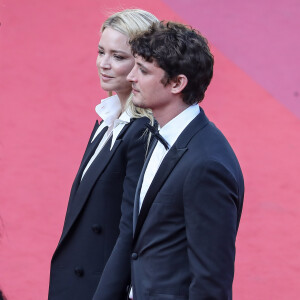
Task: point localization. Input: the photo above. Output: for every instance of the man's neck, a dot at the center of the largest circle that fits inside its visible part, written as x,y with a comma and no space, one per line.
163,116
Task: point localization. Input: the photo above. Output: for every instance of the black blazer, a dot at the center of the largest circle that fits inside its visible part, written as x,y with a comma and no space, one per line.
184,236
94,210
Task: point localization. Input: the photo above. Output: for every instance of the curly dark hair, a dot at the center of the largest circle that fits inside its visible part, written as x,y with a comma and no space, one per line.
178,49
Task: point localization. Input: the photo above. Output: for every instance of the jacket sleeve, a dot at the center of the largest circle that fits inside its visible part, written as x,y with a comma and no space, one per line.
211,204
116,275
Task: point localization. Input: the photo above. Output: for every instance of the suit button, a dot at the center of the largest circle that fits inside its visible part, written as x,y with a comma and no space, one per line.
97,228
134,256
78,272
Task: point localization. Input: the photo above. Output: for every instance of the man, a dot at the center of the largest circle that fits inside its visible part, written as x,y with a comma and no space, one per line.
189,197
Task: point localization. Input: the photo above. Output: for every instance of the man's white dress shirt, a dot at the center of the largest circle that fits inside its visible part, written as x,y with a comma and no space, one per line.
170,132
109,110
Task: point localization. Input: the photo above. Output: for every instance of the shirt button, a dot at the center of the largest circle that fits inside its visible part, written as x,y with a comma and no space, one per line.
134,256
78,272
97,228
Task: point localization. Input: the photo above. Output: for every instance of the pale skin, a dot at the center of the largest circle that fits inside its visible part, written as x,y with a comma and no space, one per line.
149,92
114,62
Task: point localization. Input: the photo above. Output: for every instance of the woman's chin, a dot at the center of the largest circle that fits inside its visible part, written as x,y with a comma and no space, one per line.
106,87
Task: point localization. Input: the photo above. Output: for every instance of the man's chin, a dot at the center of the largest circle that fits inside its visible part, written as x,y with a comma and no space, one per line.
137,102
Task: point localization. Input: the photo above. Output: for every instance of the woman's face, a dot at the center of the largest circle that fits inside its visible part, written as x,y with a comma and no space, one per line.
114,61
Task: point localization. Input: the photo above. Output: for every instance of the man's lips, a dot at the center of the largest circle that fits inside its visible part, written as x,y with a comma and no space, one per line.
135,90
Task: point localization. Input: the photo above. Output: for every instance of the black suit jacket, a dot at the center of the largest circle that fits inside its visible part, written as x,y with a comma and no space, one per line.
184,236
94,210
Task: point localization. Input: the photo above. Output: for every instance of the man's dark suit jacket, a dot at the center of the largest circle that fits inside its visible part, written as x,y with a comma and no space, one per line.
94,210
184,236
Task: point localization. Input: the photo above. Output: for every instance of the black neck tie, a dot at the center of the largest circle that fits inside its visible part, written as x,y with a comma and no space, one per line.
156,134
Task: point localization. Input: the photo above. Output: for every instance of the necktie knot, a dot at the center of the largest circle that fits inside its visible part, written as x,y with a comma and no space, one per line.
157,135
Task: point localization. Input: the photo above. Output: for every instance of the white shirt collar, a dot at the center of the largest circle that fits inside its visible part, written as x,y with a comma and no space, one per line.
122,121
125,116
109,110
171,131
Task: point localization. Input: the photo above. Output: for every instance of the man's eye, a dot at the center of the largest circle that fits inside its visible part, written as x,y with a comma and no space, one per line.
143,71
100,52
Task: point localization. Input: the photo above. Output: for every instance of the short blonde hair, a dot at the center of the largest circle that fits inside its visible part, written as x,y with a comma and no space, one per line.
132,22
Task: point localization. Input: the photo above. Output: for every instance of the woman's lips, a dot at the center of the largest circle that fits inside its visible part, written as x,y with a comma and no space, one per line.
105,77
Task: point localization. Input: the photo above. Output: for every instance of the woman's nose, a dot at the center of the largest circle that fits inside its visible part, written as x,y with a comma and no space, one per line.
103,62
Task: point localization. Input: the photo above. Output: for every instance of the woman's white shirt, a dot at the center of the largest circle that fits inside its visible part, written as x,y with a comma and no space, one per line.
109,110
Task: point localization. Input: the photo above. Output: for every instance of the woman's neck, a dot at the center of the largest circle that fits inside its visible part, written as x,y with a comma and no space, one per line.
123,97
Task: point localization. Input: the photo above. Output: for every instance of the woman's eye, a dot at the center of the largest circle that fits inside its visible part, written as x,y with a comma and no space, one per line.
118,57
143,71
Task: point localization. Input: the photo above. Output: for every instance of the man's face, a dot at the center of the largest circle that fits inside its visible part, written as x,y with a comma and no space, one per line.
147,88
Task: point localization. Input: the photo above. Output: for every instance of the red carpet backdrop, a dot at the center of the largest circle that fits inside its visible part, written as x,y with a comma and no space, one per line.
48,90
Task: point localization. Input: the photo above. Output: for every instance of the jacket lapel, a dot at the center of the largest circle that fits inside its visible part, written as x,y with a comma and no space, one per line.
168,164
97,125
89,179
90,143
91,147
139,184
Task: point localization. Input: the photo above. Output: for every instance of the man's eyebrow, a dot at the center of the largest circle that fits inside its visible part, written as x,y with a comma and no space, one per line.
141,65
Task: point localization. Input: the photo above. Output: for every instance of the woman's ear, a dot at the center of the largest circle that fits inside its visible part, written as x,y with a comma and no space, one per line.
178,84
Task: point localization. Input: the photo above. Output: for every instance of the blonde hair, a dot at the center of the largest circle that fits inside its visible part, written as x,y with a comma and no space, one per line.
131,22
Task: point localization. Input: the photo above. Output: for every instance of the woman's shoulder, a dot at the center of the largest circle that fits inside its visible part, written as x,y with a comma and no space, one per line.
140,122
137,128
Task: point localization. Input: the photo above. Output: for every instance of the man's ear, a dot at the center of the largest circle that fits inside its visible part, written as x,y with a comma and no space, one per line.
178,84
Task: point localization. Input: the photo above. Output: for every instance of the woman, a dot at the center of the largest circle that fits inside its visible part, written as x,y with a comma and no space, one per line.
109,170
2,297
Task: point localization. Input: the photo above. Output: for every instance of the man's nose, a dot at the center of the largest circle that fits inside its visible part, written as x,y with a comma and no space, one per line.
131,76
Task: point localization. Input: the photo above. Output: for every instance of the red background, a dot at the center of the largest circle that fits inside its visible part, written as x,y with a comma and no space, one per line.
49,88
